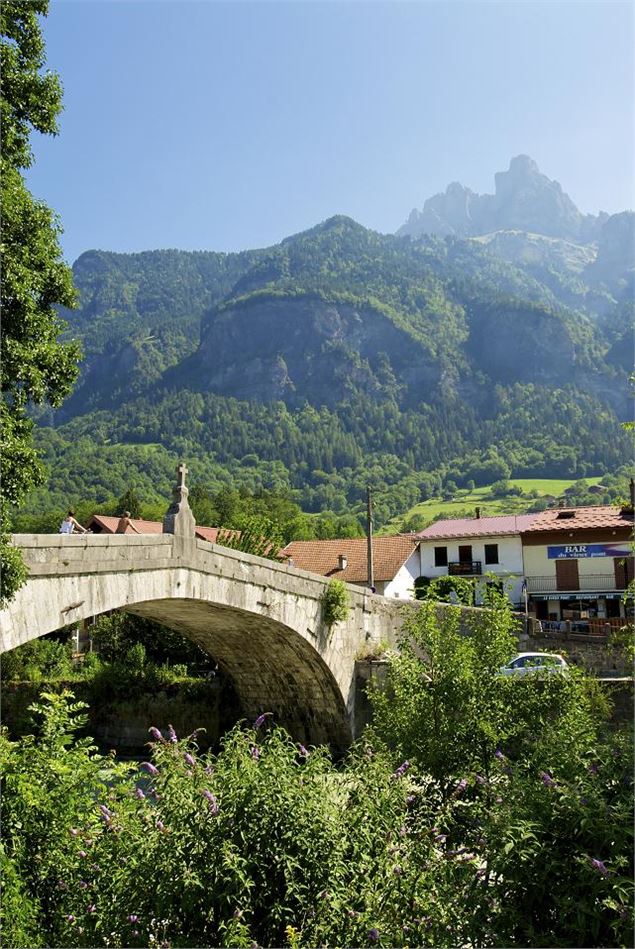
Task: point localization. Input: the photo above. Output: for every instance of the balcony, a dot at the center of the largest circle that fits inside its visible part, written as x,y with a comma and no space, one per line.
464,568
597,583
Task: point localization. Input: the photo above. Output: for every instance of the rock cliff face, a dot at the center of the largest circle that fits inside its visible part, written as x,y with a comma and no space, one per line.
304,349
524,200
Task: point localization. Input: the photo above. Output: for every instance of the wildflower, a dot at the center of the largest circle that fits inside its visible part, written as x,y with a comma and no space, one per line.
70,918
105,813
83,885
440,838
481,874
139,794
600,866
547,780
213,803
82,853
160,825
74,832
261,719
410,799
401,770
593,767
480,779
133,918
255,753
172,734
373,935
499,754
460,786
189,759
91,908
209,769
303,751
403,831
149,767
397,870
156,734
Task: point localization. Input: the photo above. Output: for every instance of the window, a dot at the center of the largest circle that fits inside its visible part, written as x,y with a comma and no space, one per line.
440,556
491,553
565,515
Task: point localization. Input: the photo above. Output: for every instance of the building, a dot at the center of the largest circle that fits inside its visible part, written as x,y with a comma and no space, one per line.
395,561
474,547
578,563
102,524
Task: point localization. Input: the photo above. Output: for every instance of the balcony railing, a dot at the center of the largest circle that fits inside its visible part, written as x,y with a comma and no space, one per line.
464,568
599,582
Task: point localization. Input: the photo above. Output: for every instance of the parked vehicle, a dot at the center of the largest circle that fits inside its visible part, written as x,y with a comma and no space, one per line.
527,663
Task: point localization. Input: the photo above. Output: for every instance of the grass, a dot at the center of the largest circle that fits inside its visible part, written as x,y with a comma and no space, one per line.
466,501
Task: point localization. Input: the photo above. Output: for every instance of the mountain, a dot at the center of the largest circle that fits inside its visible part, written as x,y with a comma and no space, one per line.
523,200
337,358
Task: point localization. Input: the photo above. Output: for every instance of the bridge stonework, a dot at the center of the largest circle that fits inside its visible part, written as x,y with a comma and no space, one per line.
262,621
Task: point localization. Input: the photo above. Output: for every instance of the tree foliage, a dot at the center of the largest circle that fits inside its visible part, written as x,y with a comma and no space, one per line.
36,367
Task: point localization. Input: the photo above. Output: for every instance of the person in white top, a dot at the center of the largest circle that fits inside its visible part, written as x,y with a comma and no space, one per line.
69,525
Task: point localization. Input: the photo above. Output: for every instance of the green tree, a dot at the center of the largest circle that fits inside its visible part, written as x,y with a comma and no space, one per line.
36,368
129,501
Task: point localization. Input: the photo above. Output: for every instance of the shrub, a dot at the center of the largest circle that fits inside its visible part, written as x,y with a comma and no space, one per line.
335,603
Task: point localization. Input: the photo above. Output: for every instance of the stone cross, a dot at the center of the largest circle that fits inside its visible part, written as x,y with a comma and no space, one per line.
178,517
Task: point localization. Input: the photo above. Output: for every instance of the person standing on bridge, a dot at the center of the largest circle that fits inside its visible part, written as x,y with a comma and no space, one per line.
69,525
125,523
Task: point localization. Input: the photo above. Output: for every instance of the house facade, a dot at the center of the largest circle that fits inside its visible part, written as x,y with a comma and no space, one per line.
578,563
476,547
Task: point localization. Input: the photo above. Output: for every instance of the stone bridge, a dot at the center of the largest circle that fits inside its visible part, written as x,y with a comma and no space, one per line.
261,620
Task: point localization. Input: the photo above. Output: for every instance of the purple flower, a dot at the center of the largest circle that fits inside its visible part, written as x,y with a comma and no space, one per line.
91,908
547,780
593,767
105,813
209,769
74,832
83,885
410,799
71,919
397,870
149,767
213,803
373,935
460,786
440,838
156,734
600,866
261,719
160,825
133,918
189,759
499,754
399,773
303,751
255,753
480,779
172,734
480,874
82,853
139,794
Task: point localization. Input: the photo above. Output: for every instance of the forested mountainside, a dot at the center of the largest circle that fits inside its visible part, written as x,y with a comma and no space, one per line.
337,358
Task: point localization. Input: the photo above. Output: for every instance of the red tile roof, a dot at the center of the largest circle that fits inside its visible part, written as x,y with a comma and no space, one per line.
477,527
108,525
601,517
321,556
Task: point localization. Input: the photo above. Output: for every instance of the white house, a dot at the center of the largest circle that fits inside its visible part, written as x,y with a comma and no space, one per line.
474,547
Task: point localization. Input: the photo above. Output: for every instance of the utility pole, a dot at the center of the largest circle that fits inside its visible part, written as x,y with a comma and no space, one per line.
369,538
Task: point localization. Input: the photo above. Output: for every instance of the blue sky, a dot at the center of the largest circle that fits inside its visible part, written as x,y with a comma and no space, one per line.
224,126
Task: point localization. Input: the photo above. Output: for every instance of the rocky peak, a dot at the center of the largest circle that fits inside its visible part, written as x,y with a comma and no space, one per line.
524,200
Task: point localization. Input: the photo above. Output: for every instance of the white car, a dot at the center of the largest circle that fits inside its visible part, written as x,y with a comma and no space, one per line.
526,663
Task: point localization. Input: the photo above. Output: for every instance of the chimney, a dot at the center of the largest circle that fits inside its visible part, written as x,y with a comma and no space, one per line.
477,513
342,562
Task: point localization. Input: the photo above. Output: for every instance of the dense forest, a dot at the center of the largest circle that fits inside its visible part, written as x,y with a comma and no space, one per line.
336,359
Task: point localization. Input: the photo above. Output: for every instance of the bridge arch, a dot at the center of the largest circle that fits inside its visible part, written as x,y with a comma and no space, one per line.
261,620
